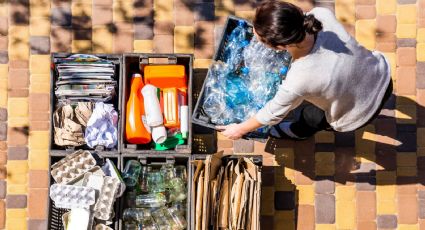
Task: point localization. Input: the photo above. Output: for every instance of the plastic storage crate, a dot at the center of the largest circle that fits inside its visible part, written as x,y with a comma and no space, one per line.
204,138
55,214
55,149
257,160
132,63
199,117
156,160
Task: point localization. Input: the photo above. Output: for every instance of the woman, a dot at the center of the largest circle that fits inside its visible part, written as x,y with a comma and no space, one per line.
346,84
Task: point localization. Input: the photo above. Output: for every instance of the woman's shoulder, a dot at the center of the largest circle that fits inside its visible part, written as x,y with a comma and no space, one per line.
330,22
322,13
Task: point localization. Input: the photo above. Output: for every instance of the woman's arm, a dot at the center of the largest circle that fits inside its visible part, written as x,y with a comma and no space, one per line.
273,112
236,131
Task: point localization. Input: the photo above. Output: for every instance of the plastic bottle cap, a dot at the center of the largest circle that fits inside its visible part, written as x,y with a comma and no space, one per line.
284,70
245,70
137,75
159,134
244,43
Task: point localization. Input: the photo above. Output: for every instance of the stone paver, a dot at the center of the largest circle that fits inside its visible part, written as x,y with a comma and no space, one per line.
366,179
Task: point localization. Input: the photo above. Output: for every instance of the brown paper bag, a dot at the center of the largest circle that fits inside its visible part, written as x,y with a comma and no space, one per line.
212,165
216,201
213,186
199,165
223,212
236,195
199,201
241,224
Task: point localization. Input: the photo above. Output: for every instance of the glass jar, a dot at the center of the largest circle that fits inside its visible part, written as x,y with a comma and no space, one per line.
156,182
151,200
131,173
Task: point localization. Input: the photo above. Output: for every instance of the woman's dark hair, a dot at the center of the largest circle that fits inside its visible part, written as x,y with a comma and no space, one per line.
282,23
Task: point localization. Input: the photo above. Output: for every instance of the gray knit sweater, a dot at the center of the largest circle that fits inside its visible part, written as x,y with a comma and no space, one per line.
339,76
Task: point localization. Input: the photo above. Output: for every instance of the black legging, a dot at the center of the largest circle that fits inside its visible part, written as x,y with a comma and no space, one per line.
312,119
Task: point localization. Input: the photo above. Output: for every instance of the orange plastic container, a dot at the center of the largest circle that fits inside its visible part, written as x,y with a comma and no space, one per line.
135,130
166,76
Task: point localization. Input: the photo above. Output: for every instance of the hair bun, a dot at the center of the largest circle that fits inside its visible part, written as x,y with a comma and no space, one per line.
311,24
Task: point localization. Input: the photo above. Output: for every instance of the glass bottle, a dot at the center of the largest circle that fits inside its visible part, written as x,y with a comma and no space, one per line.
181,172
152,200
143,179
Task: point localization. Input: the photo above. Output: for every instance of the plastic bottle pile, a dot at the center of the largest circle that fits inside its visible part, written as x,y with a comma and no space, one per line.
247,78
155,199
86,189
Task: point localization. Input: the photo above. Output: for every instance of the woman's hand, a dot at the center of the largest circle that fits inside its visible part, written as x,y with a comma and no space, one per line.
232,131
236,131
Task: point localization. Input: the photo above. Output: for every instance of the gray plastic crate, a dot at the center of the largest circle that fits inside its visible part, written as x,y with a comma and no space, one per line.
156,160
257,159
55,214
55,149
131,64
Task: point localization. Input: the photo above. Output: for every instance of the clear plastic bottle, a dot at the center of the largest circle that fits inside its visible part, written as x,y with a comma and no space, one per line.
236,42
236,36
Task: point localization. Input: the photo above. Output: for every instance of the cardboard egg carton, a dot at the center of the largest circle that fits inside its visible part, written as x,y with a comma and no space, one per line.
95,171
71,196
111,170
98,226
73,167
104,207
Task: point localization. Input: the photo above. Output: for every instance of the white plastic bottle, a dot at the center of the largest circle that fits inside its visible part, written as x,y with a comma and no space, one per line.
153,113
152,106
184,121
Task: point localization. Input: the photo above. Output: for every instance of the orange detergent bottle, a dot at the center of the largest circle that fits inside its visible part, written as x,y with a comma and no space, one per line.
135,129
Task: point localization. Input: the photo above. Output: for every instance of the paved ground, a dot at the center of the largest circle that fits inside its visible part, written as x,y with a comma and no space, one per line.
368,179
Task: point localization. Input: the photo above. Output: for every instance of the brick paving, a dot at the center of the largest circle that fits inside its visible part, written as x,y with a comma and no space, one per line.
372,178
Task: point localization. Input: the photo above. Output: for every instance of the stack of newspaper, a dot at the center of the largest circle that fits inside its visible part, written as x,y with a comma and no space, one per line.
83,77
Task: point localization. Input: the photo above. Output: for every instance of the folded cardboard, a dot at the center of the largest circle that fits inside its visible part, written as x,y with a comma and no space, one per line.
226,193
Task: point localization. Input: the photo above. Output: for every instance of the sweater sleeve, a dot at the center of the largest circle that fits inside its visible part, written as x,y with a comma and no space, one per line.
276,109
